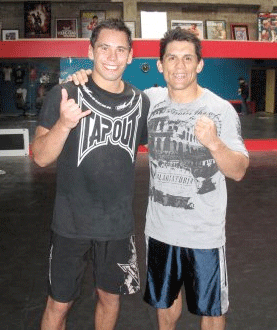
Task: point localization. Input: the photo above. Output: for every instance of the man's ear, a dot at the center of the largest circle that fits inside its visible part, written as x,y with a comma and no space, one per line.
130,57
90,53
160,66
200,66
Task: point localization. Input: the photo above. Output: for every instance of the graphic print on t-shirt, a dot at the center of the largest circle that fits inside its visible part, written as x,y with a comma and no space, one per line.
100,129
180,165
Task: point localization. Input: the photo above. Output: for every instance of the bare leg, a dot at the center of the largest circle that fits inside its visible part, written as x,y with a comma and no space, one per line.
107,310
54,316
168,317
213,322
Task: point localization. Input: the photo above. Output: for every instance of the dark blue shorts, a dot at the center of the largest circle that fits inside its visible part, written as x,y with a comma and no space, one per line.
114,266
202,271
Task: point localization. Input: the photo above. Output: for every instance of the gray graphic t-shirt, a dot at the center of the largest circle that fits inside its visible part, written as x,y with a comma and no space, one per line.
187,193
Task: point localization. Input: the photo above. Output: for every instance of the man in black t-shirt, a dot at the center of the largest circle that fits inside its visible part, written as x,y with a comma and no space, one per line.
93,131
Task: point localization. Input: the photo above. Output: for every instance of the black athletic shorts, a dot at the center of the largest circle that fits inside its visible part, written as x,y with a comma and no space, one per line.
202,272
114,264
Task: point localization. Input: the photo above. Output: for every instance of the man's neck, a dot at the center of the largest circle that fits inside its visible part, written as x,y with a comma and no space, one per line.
185,96
115,87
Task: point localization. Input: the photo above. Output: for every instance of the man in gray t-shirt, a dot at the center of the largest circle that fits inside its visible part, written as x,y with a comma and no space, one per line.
194,142
187,199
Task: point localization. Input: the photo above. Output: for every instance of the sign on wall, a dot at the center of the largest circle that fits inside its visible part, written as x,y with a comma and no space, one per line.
66,28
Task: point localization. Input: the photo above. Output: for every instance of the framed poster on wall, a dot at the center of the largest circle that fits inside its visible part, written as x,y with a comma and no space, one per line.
196,27
66,28
216,30
9,34
267,27
37,18
89,20
239,32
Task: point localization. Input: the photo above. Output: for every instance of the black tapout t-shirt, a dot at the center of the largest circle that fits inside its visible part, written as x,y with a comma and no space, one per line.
95,170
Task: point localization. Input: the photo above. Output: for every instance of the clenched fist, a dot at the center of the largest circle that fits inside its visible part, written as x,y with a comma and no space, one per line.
206,132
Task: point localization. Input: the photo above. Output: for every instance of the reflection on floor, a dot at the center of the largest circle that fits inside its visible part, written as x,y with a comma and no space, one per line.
261,125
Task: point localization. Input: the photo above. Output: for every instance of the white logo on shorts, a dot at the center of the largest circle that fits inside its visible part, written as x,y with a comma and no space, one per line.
132,281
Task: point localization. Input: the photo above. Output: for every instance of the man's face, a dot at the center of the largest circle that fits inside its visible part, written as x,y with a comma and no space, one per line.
180,65
111,54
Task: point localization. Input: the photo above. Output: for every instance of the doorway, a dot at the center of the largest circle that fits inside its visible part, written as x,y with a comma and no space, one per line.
258,88
263,86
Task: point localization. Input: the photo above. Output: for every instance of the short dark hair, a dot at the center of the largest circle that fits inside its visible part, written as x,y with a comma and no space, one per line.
179,34
110,24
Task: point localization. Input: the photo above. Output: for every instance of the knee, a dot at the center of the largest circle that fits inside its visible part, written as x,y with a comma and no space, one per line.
107,299
173,314
169,317
56,307
213,322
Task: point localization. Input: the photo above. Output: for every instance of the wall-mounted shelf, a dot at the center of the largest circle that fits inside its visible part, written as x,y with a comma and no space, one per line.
50,48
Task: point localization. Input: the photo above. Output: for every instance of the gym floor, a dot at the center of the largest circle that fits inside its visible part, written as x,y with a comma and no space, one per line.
26,201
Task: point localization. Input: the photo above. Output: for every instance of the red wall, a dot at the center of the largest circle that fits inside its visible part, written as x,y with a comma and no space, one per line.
41,48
